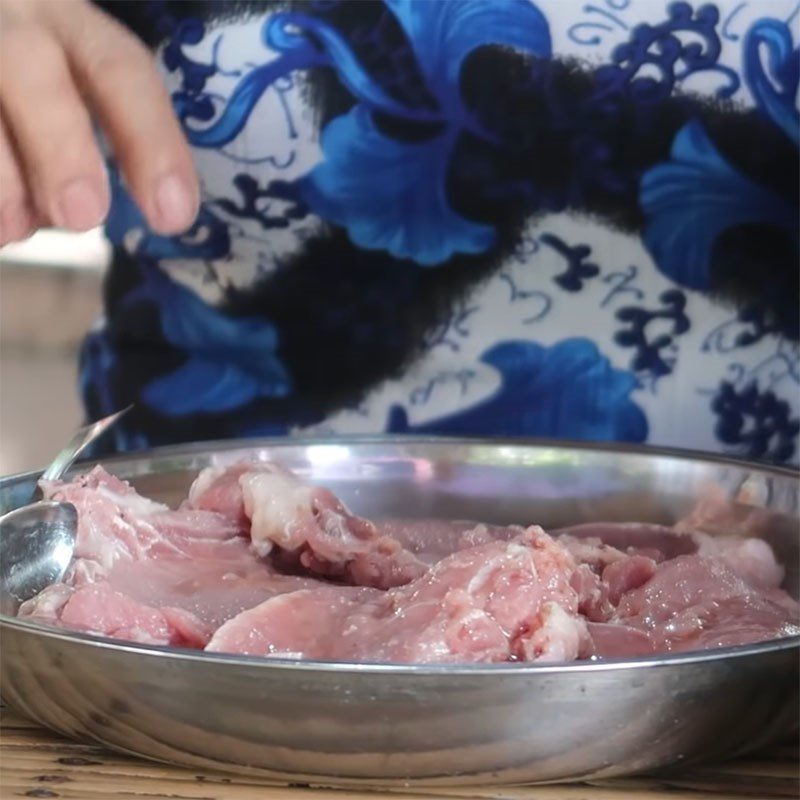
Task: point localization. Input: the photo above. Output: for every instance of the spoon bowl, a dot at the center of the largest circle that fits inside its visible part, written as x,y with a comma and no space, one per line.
37,541
37,545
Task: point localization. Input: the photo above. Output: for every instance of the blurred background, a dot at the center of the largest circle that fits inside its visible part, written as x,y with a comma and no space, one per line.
50,294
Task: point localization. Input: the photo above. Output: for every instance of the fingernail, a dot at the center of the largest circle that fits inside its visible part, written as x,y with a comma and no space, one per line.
80,206
176,204
15,222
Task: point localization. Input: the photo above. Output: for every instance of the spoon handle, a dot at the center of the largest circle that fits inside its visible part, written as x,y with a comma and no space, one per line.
82,438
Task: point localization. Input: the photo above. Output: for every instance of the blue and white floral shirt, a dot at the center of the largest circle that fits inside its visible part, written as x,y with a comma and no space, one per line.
480,217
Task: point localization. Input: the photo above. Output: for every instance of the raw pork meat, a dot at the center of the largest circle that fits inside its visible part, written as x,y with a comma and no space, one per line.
258,562
697,602
660,590
308,527
191,562
502,601
97,608
117,525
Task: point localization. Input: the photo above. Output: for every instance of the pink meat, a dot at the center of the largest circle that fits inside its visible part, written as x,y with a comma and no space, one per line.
501,601
614,640
600,543
600,588
627,574
696,602
178,526
193,561
109,514
305,527
218,489
593,602
47,605
591,552
186,630
117,525
431,540
752,559
211,589
98,609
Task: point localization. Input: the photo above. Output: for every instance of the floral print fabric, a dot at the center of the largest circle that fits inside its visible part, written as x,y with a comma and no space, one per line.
471,217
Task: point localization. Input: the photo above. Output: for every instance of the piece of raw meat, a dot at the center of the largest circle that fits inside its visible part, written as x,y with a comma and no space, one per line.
600,544
117,524
191,560
697,602
694,591
211,589
305,527
600,588
46,606
750,558
109,514
502,601
429,540
218,489
97,608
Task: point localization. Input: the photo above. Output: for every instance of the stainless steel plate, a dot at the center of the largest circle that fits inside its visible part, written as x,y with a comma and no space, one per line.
346,723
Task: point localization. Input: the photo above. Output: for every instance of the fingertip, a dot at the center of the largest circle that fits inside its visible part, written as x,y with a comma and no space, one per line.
80,205
174,205
16,222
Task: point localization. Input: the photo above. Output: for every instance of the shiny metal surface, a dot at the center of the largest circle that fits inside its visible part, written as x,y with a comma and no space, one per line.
80,440
37,540
348,723
36,545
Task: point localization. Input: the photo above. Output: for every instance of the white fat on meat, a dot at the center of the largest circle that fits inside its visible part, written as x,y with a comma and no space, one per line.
279,508
47,605
557,636
203,482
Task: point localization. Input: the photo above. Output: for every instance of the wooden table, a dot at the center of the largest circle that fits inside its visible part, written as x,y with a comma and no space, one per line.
39,764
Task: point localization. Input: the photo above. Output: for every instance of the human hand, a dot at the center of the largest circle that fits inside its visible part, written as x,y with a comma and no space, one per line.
64,63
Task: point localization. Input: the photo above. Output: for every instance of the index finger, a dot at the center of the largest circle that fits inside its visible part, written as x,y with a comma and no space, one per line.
119,76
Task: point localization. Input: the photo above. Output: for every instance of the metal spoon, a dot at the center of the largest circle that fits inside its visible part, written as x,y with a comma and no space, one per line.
37,540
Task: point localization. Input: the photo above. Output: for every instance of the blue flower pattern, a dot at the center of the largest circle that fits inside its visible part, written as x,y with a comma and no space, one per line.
778,102
229,361
392,194
567,391
683,222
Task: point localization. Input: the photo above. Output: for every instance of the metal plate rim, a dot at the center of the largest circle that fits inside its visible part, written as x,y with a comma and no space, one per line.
625,448
373,668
